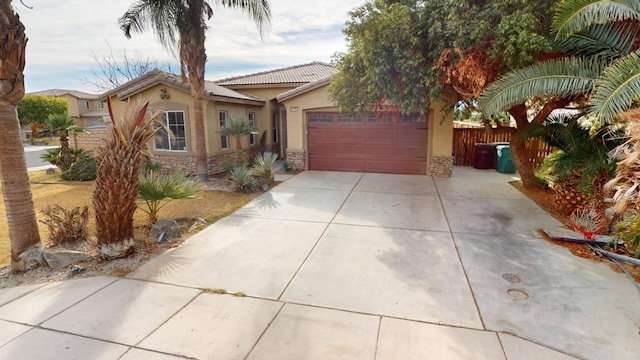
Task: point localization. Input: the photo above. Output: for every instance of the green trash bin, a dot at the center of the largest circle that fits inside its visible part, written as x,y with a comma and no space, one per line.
505,160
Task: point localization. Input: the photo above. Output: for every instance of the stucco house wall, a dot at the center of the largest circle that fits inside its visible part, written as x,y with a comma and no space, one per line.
439,138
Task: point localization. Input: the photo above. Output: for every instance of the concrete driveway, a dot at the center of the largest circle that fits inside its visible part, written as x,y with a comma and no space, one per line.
334,265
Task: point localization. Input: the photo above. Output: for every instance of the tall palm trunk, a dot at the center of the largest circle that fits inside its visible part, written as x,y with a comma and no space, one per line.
21,216
65,152
194,57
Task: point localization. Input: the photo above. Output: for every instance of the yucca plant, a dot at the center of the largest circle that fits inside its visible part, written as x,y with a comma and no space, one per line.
118,168
242,179
157,190
237,128
262,164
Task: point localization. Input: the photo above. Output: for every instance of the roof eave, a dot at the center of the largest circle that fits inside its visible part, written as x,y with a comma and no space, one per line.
303,89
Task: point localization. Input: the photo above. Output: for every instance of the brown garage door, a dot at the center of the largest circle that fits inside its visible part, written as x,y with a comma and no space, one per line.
382,143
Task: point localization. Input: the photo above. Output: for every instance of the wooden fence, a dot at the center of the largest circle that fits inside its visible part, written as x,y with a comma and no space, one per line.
465,140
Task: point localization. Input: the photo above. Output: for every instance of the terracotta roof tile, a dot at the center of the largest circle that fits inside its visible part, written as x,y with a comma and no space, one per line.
62,92
294,74
157,76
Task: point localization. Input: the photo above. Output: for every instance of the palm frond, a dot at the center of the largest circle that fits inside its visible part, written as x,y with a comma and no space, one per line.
573,16
559,77
258,10
160,15
600,40
617,89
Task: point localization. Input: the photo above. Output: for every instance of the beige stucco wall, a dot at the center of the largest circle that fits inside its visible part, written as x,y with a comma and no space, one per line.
440,134
74,110
265,113
181,100
178,100
212,109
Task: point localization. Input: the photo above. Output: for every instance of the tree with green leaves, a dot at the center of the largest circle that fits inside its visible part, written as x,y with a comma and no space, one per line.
36,109
60,125
26,249
181,25
408,52
599,69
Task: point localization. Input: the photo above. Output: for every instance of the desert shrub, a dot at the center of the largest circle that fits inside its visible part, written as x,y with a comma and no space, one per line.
54,156
242,179
66,226
262,164
152,166
82,169
158,189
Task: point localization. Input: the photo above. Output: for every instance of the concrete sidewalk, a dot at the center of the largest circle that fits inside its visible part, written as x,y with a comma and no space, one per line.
334,265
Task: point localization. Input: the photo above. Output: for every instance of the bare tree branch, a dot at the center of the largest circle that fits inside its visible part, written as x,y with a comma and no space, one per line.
114,69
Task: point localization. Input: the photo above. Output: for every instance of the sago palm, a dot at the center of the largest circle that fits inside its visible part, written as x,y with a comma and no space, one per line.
602,63
119,163
181,25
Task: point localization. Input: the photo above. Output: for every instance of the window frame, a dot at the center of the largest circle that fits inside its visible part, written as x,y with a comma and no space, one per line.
274,127
164,132
251,116
224,139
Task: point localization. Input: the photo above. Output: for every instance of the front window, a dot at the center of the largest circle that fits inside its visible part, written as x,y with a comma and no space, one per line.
274,123
173,136
102,104
252,122
224,140
83,104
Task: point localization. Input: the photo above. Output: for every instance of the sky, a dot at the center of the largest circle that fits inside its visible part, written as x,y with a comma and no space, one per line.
66,35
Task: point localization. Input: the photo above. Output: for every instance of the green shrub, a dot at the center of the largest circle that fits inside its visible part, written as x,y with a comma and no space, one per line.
54,156
82,169
158,189
262,166
242,179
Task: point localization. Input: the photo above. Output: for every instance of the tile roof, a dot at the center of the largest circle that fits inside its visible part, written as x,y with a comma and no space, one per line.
62,92
156,76
304,88
294,74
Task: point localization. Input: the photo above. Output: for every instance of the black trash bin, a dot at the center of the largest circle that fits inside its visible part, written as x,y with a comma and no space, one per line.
483,156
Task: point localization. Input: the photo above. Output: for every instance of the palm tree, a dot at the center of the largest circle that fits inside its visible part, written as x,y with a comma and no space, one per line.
600,68
60,125
602,64
237,128
21,215
182,22
119,163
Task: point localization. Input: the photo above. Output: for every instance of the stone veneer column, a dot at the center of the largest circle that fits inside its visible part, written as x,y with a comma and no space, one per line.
441,166
295,159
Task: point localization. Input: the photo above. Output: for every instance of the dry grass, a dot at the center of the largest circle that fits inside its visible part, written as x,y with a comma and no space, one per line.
49,189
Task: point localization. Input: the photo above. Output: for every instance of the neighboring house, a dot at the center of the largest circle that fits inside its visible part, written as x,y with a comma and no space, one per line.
88,110
295,118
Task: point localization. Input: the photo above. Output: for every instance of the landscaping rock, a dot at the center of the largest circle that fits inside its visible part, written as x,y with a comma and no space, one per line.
169,227
61,258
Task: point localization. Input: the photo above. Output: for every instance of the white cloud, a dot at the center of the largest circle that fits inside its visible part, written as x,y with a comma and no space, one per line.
63,35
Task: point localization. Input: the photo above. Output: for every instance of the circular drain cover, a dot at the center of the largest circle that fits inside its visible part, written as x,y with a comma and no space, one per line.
511,278
517,294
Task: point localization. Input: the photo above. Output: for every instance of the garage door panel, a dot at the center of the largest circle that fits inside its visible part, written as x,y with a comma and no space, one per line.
373,147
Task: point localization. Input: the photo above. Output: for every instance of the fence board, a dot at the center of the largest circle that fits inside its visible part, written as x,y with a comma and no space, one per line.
465,140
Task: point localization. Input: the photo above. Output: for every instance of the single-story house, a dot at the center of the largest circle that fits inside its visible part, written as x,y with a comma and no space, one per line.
296,119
